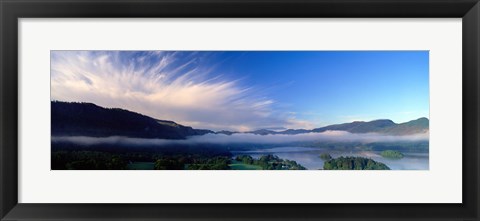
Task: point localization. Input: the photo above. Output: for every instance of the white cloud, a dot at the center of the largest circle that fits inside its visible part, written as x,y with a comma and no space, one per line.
163,85
333,136
336,136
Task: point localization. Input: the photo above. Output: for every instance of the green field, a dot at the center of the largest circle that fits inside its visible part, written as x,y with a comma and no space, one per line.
236,165
141,166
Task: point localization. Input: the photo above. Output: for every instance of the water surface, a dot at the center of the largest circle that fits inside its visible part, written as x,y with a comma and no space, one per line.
309,157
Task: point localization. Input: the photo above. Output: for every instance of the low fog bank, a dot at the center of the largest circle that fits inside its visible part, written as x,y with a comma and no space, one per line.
244,138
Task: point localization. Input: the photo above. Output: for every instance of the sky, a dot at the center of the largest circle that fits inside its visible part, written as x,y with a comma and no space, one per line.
248,90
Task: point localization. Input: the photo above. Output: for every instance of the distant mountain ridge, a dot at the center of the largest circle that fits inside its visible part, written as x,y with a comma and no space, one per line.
419,125
383,126
88,119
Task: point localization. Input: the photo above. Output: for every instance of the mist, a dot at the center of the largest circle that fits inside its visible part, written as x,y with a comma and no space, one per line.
245,138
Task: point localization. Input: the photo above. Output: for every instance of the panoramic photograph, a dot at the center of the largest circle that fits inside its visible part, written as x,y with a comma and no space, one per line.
239,110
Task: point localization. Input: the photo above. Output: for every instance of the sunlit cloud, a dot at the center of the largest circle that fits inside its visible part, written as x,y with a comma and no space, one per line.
174,86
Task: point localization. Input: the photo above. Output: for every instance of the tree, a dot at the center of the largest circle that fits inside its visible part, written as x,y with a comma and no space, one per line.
325,156
353,163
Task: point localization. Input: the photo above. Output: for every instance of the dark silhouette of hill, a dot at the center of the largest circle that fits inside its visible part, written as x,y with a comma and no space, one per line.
87,119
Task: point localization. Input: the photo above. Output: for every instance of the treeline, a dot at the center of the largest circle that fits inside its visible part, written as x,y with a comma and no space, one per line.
354,163
196,162
325,156
270,162
143,151
392,154
208,159
87,160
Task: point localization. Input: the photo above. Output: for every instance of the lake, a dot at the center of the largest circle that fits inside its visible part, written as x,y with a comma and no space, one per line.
309,157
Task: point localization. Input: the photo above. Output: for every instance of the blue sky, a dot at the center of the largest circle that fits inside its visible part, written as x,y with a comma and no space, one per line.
246,90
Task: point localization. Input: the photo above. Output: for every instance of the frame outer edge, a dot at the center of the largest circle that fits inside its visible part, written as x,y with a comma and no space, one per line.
471,108
3,209
476,62
9,109
2,213
477,212
8,96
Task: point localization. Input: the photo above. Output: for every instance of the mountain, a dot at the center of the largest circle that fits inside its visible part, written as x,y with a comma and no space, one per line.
263,132
226,132
382,126
420,125
87,119
295,131
359,126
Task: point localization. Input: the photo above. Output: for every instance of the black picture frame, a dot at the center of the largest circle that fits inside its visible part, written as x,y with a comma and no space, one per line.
12,10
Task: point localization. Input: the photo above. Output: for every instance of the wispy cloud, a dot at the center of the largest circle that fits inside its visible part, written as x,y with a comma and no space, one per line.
174,86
